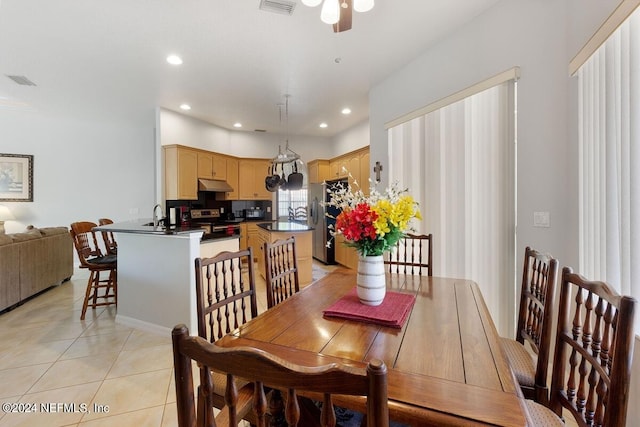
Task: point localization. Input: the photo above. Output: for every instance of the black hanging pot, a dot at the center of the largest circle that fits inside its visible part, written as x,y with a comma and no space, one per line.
272,182
283,177
295,178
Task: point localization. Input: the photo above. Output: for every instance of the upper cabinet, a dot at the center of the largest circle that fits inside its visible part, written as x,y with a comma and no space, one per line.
319,171
211,165
180,173
232,179
365,171
251,181
354,165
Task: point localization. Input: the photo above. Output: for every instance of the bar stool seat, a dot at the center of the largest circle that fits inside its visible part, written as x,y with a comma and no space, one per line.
100,291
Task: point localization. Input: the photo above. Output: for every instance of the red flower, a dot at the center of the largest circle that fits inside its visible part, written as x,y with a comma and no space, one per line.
357,224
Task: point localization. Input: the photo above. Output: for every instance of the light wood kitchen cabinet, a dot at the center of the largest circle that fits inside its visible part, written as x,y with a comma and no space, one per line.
232,179
304,249
243,236
211,165
339,167
253,239
318,171
180,173
345,255
365,171
263,236
353,166
251,180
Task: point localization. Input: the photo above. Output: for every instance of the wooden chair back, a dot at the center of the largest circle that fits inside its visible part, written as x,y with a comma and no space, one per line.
281,270
109,240
412,255
593,354
225,293
264,369
100,291
298,214
85,242
535,318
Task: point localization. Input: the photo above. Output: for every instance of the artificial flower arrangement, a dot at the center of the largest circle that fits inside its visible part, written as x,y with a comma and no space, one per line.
372,224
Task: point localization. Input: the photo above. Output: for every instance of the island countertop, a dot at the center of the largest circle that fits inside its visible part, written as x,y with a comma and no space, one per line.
145,226
285,226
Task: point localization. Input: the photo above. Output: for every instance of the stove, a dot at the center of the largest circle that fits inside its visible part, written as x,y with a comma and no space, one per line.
213,224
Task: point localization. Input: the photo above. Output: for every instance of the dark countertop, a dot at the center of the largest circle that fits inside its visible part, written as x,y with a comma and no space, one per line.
142,226
285,226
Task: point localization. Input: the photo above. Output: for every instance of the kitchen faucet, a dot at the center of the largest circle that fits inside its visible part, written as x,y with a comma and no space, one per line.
156,219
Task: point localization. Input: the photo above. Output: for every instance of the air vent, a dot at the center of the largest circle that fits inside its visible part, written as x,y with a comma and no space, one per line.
282,7
259,130
21,80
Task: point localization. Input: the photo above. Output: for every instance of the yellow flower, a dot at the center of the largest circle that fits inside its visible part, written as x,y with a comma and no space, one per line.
384,209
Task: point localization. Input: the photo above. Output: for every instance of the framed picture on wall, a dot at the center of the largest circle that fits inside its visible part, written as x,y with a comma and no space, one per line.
16,178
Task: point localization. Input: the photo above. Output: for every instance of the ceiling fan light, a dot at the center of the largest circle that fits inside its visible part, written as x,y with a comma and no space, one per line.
330,13
311,3
363,5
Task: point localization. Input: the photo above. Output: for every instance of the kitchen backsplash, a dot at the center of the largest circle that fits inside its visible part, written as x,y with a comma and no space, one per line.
238,207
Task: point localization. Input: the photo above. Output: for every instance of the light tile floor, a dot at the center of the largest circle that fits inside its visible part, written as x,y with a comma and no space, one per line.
87,373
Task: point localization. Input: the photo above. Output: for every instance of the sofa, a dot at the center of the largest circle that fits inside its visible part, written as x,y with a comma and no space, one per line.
33,261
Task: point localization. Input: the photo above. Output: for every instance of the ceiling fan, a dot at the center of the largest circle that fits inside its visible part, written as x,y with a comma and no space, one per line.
339,13
346,16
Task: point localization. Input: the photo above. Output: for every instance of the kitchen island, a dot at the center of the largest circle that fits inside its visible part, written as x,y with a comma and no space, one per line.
277,230
156,273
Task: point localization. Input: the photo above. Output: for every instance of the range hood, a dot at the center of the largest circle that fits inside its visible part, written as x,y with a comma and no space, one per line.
214,185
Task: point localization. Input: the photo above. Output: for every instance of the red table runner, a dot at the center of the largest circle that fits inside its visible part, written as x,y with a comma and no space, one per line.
393,311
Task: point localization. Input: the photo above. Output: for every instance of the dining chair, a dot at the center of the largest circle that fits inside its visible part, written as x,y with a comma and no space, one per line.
110,243
535,318
225,300
92,258
281,270
411,255
262,368
592,357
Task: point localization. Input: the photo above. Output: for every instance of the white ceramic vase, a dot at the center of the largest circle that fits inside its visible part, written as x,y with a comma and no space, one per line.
371,281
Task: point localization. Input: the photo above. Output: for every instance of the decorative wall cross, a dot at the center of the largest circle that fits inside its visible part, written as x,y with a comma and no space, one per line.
377,169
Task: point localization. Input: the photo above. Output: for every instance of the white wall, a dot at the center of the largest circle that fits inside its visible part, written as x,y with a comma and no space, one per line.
83,170
176,128
351,139
541,37
534,36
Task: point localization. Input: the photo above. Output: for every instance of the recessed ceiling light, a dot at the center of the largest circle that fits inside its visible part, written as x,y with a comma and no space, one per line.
174,60
237,125
346,111
323,125
185,107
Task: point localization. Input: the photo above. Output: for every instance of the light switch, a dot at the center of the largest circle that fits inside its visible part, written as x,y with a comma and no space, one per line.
541,219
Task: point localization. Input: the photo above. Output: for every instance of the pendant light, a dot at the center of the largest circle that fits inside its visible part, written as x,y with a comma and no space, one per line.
330,13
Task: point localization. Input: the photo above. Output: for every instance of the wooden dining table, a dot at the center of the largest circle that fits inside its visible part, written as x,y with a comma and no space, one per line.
445,365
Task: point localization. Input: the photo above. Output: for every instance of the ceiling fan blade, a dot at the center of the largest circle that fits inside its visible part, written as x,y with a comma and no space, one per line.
346,13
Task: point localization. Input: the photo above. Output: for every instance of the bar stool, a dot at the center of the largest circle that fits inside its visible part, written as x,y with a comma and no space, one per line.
91,258
110,243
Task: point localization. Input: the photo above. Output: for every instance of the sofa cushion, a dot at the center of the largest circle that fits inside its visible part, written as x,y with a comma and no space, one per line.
51,231
28,235
5,239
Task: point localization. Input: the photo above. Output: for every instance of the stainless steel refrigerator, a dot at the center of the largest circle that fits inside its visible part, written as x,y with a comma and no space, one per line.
318,219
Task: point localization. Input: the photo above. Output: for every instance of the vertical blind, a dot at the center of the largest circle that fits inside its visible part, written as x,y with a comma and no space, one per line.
459,163
609,157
